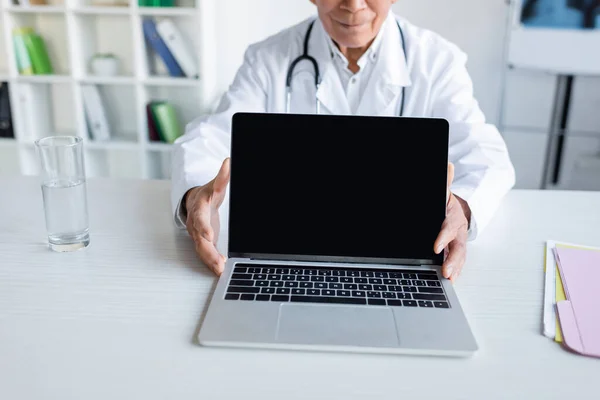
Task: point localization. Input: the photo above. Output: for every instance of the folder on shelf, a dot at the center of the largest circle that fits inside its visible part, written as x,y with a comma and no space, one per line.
579,314
95,113
175,41
36,48
167,122
6,126
24,65
152,125
153,38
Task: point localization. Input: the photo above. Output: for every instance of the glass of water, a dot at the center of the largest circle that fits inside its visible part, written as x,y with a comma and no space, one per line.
64,192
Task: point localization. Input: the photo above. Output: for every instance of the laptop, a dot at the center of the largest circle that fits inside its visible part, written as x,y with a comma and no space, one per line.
332,221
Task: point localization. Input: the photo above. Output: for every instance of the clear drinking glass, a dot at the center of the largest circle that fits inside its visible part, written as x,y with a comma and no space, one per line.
64,192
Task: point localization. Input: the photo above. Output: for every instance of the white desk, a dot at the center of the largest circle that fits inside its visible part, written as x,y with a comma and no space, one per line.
118,319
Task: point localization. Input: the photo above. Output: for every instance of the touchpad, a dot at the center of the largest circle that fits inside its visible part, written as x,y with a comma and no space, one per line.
336,325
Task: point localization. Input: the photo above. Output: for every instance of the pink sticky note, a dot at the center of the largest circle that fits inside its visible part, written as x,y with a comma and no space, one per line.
580,314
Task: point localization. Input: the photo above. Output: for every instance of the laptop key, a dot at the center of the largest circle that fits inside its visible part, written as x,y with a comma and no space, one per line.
325,272
395,288
317,278
409,303
310,272
282,291
261,283
276,284
268,290
280,298
361,280
440,304
306,284
394,303
241,276
410,276
299,291
417,282
389,295
350,286
274,277
332,279
254,270
321,285
390,281
232,296
313,292
239,270
428,277
335,286
425,289
346,280
377,302
423,296
353,273
357,293
288,277
395,275
335,300
367,274
291,284
434,283
410,289
380,274
268,271
376,281
406,296
259,277
302,278
239,282
296,271
426,304
381,288
247,296
263,297
282,271
365,287
405,282
339,272
343,293
328,292
374,294
242,289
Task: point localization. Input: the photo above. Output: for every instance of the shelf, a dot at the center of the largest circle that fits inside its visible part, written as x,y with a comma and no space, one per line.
108,80
159,146
8,142
4,77
44,79
167,11
101,10
36,9
169,81
111,145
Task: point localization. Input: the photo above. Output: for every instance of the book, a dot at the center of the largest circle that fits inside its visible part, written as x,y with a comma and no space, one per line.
153,38
6,125
36,48
34,101
95,113
24,65
175,41
167,122
152,126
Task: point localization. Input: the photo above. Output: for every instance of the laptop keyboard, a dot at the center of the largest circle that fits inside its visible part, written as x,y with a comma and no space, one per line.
308,284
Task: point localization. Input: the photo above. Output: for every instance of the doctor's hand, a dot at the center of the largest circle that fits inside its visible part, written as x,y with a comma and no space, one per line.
202,204
453,235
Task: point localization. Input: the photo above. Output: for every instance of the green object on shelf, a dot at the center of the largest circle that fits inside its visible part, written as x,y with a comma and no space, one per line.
38,54
167,3
24,65
143,3
166,121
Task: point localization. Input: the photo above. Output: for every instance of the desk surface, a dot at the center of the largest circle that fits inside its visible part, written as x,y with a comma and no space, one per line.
118,320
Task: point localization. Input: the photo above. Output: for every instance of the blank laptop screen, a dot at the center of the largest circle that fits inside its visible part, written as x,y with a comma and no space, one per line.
321,187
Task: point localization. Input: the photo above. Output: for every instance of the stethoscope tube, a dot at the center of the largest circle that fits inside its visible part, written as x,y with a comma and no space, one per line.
307,57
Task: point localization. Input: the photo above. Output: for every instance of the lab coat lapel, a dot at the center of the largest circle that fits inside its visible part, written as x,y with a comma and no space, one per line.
389,76
331,94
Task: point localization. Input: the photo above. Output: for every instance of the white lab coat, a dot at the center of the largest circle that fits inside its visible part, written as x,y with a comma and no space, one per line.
437,85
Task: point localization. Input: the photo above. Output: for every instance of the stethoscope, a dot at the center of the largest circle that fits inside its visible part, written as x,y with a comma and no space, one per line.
307,57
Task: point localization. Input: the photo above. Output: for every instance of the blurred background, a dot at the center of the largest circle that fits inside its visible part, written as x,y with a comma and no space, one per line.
128,75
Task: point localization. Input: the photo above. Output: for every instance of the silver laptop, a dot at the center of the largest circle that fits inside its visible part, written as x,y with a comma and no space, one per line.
332,221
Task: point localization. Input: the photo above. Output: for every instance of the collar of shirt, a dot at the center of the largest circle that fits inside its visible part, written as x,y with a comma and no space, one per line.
370,54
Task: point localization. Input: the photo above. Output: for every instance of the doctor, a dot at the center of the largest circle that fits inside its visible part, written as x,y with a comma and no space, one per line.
357,57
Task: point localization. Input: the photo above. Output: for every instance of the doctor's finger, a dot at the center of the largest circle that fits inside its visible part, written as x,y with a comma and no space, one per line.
447,234
209,256
457,253
449,181
222,179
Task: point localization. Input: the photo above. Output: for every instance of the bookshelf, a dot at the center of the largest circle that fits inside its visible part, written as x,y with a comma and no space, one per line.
74,31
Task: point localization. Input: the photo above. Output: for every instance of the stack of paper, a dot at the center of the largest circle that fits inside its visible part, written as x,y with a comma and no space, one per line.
572,296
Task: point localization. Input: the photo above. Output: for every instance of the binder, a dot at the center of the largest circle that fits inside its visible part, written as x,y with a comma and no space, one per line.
167,122
36,48
95,113
6,125
24,65
175,41
153,38
34,100
152,125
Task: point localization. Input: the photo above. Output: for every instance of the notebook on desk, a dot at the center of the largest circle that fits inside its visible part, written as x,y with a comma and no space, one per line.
332,221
